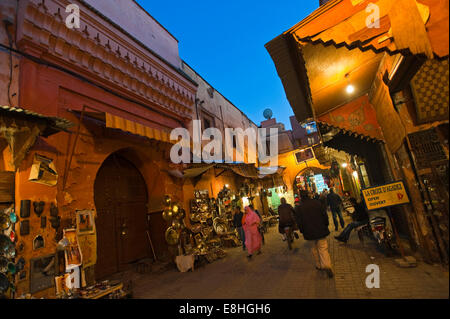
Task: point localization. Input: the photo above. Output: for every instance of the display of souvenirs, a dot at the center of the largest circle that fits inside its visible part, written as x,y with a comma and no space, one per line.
72,251
8,265
209,225
173,214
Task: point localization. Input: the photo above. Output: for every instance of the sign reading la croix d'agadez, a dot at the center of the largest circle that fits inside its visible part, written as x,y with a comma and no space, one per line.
385,195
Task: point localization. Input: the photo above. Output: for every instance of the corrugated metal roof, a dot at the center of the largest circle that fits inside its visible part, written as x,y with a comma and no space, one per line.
54,123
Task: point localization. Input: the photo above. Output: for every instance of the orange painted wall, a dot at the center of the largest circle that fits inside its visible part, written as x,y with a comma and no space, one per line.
51,92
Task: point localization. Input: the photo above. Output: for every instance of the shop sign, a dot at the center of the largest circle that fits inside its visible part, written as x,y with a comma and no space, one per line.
304,155
385,195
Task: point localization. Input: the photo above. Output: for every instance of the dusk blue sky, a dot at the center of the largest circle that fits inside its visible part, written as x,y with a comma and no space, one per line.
224,42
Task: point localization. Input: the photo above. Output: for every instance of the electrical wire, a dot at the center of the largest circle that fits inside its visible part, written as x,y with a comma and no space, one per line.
7,24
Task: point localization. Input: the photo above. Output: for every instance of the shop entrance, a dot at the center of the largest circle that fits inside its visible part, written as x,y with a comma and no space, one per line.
120,196
311,179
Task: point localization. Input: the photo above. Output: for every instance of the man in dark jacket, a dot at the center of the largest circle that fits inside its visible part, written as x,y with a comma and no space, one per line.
360,217
286,215
335,202
312,220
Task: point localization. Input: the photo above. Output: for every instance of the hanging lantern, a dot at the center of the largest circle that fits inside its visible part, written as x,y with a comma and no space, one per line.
176,225
181,214
13,217
167,200
167,215
11,268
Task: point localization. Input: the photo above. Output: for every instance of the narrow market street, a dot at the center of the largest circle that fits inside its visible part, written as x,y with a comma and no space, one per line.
282,274
142,141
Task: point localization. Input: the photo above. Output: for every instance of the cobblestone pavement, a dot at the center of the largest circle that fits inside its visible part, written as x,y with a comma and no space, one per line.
280,273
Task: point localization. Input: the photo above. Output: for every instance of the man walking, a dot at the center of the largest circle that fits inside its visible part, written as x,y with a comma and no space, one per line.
313,223
286,214
335,203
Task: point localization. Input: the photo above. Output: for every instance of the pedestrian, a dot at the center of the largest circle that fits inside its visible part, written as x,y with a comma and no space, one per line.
260,226
286,215
313,223
237,223
323,197
250,223
360,217
335,203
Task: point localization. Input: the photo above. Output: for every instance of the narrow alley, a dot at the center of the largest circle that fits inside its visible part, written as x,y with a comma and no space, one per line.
282,274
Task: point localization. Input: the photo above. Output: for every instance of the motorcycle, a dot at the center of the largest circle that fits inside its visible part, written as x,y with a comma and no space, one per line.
383,236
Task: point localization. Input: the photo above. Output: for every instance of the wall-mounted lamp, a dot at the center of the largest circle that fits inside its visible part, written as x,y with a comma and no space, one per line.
350,88
344,165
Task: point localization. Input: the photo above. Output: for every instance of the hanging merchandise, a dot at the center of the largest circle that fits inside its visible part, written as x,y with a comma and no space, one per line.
172,236
73,256
174,215
8,237
334,170
5,221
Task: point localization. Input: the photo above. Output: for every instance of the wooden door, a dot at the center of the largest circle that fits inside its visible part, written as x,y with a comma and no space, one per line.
120,196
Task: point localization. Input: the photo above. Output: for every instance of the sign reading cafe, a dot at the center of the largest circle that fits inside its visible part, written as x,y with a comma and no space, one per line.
385,195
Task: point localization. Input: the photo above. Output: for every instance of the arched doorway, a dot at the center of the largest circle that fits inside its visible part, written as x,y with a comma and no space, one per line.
120,196
312,179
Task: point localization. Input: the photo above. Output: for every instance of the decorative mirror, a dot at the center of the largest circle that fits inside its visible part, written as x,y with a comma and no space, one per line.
38,242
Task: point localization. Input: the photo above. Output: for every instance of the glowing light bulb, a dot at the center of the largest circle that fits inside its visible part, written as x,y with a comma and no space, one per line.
350,89
355,174
344,165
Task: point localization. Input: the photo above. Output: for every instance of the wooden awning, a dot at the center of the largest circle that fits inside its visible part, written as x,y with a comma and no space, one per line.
241,169
20,128
333,47
357,117
329,131
120,123
405,26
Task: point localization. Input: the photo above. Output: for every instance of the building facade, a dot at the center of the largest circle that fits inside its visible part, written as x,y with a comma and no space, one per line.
86,114
124,90
376,90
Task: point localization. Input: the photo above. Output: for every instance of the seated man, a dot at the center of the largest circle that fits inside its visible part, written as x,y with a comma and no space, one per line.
360,217
286,214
